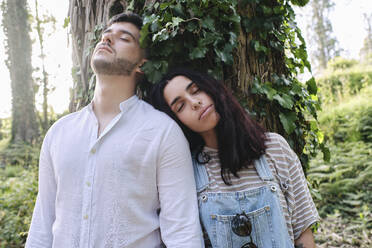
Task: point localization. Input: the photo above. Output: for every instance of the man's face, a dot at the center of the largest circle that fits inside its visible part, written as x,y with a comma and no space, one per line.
118,52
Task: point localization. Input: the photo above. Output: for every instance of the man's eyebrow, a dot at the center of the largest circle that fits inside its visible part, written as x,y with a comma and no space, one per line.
123,31
177,98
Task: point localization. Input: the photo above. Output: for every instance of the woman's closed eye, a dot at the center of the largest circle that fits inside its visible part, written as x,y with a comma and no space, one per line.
179,107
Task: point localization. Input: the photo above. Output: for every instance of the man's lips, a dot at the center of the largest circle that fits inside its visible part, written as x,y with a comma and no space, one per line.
104,47
206,111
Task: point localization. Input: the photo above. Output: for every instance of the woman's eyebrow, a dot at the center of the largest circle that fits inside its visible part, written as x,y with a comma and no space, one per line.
189,85
177,98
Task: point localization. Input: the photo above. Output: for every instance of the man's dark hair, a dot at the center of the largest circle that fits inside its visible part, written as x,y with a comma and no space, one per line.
126,17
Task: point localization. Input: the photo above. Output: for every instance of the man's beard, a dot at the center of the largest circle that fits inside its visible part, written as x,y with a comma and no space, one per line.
121,67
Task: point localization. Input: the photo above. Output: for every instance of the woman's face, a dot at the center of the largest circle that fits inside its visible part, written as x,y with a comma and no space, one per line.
193,107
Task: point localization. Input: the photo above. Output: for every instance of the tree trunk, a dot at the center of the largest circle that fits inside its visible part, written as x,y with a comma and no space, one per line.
18,46
87,18
44,81
248,66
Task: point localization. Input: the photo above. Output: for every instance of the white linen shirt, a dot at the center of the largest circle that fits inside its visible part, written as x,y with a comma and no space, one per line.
108,191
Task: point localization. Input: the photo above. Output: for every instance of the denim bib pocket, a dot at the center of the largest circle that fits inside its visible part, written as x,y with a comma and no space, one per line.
262,228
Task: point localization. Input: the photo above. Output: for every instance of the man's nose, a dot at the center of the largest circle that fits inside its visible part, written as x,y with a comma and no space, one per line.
107,38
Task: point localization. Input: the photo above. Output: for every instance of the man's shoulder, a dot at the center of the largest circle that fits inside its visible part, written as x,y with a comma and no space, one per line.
154,116
69,120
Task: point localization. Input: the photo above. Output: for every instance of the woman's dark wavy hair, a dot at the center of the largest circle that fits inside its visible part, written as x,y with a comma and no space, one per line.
241,140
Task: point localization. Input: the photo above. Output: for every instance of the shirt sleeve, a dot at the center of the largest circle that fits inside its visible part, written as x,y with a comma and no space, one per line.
40,233
303,212
179,215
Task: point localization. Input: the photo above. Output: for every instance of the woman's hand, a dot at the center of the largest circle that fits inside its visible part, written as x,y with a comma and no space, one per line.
306,240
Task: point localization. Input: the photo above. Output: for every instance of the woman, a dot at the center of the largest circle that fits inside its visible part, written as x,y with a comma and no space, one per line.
251,188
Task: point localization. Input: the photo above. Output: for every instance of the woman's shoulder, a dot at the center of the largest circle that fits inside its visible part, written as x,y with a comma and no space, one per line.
278,149
275,140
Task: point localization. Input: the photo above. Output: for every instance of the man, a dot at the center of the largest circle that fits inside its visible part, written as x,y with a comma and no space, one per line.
117,173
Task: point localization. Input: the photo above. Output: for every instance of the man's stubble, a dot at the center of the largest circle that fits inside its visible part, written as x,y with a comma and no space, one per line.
119,66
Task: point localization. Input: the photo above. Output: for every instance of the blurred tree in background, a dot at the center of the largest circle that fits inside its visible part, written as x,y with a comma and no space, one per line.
322,39
18,49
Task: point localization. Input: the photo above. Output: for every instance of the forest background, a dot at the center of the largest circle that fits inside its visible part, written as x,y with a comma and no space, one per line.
282,59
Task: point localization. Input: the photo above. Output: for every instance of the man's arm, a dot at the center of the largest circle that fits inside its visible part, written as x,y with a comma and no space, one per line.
306,240
179,215
40,233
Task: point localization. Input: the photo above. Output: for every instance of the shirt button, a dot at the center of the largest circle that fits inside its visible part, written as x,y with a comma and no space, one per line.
88,184
93,151
273,188
85,217
204,198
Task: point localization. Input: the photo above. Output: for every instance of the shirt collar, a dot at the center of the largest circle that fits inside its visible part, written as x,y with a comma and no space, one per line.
124,105
128,104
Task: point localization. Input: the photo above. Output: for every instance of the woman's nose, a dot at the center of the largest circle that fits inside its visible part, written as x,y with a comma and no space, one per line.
196,103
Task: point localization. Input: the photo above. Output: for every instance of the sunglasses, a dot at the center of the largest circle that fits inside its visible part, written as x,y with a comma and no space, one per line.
242,227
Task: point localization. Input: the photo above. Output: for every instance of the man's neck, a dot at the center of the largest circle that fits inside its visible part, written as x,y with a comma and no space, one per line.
110,91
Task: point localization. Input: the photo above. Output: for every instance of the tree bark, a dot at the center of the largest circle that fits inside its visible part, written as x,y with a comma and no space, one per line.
87,18
18,44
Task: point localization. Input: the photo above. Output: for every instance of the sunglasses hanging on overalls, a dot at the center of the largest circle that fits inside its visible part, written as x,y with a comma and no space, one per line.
242,227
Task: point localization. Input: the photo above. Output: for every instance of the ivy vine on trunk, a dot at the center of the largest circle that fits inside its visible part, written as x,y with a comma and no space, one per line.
254,46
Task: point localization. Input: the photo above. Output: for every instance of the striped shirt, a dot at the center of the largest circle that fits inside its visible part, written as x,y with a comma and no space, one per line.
298,206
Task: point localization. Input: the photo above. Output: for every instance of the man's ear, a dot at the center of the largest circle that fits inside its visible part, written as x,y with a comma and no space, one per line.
140,64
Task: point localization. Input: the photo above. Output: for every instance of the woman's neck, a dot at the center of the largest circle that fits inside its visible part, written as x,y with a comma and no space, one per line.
210,138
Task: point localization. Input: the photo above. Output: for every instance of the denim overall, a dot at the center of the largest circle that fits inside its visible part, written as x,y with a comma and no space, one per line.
261,205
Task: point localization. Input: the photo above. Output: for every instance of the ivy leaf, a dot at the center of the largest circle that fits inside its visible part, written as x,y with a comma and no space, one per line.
326,152
285,101
267,11
176,21
198,52
144,35
311,86
288,121
300,3
208,23
270,93
66,22
165,5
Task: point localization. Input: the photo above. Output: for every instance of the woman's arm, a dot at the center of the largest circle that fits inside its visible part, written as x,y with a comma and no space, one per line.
306,240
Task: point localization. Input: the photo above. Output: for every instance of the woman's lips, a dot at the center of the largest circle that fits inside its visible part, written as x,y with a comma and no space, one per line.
206,111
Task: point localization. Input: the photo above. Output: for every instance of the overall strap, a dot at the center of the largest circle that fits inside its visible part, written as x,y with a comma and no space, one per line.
263,169
200,174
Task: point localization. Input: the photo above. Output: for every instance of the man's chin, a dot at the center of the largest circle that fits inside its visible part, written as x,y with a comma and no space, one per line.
118,67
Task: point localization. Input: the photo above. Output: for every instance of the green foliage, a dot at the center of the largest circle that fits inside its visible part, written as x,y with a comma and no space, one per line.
201,34
343,78
351,120
341,188
18,189
20,154
204,35
5,129
346,181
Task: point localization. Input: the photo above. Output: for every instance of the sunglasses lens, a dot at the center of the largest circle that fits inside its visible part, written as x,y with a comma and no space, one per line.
241,225
249,245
